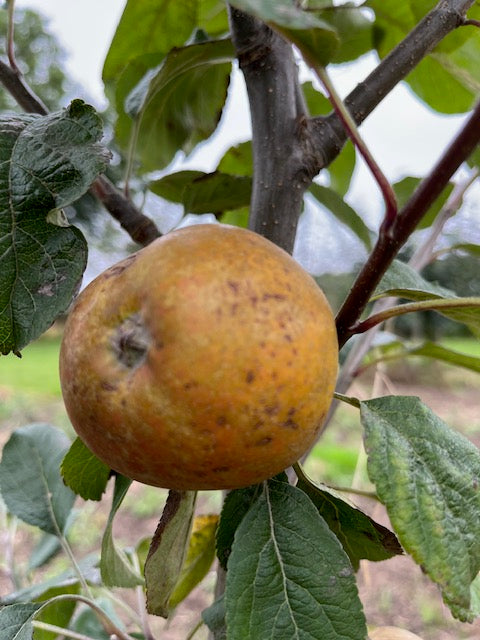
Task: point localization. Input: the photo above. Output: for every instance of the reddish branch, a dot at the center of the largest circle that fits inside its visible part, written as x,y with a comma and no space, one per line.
393,235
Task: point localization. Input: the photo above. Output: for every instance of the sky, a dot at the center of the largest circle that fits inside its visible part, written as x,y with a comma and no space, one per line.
405,137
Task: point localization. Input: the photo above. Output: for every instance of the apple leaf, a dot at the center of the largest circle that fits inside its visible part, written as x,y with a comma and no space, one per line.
83,472
361,537
200,556
178,103
205,192
16,621
285,553
214,618
47,162
168,551
115,568
30,480
402,281
426,474
235,506
344,213
403,190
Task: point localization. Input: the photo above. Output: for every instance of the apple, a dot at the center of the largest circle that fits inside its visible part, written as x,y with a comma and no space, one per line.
206,360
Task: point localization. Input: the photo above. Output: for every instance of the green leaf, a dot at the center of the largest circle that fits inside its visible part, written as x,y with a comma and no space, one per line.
47,548
361,537
177,104
427,476
235,506
285,554
341,169
317,103
168,551
404,282
448,79
58,612
205,192
404,189
316,39
200,556
143,29
427,350
343,212
30,480
115,568
47,162
354,29
214,618
83,472
237,160
16,621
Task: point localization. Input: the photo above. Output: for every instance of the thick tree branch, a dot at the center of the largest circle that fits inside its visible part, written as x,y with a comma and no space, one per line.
277,114
393,236
140,228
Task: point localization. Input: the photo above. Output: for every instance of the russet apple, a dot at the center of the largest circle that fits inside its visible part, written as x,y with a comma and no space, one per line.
206,360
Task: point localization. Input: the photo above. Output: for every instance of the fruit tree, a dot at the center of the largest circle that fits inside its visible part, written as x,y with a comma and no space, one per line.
207,358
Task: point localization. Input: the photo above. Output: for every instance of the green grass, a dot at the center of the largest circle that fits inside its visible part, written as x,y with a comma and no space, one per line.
36,371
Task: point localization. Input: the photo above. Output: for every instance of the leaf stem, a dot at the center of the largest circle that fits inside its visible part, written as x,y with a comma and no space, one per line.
354,402
343,113
60,631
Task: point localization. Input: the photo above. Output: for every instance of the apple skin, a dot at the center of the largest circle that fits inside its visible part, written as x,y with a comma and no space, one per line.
206,360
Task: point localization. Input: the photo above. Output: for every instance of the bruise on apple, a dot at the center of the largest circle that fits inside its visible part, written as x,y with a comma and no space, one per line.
131,341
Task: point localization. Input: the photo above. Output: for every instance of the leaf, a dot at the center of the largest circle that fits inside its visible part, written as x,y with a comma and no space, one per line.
144,29
404,189
115,568
285,554
200,556
448,79
427,350
58,612
30,480
83,472
316,39
237,160
341,169
235,506
361,537
168,551
178,103
47,548
47,162
427,476
354,29
205,192
214,617
16,621
343,212
403,281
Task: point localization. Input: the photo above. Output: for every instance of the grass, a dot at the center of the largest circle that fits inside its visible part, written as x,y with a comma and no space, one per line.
36,371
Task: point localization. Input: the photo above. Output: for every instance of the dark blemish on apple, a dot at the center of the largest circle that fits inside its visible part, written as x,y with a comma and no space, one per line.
271,410
258,425
250,377
254,300
221,421
119,268
273,296
190,385
234,286
263,441
288,337
289,424
233,309
108,386
220,469
291,412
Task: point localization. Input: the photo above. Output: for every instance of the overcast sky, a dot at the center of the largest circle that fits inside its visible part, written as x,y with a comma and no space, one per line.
405,137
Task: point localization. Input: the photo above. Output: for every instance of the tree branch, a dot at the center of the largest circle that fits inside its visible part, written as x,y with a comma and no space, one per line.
393,236
277,115
328,133
140,228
